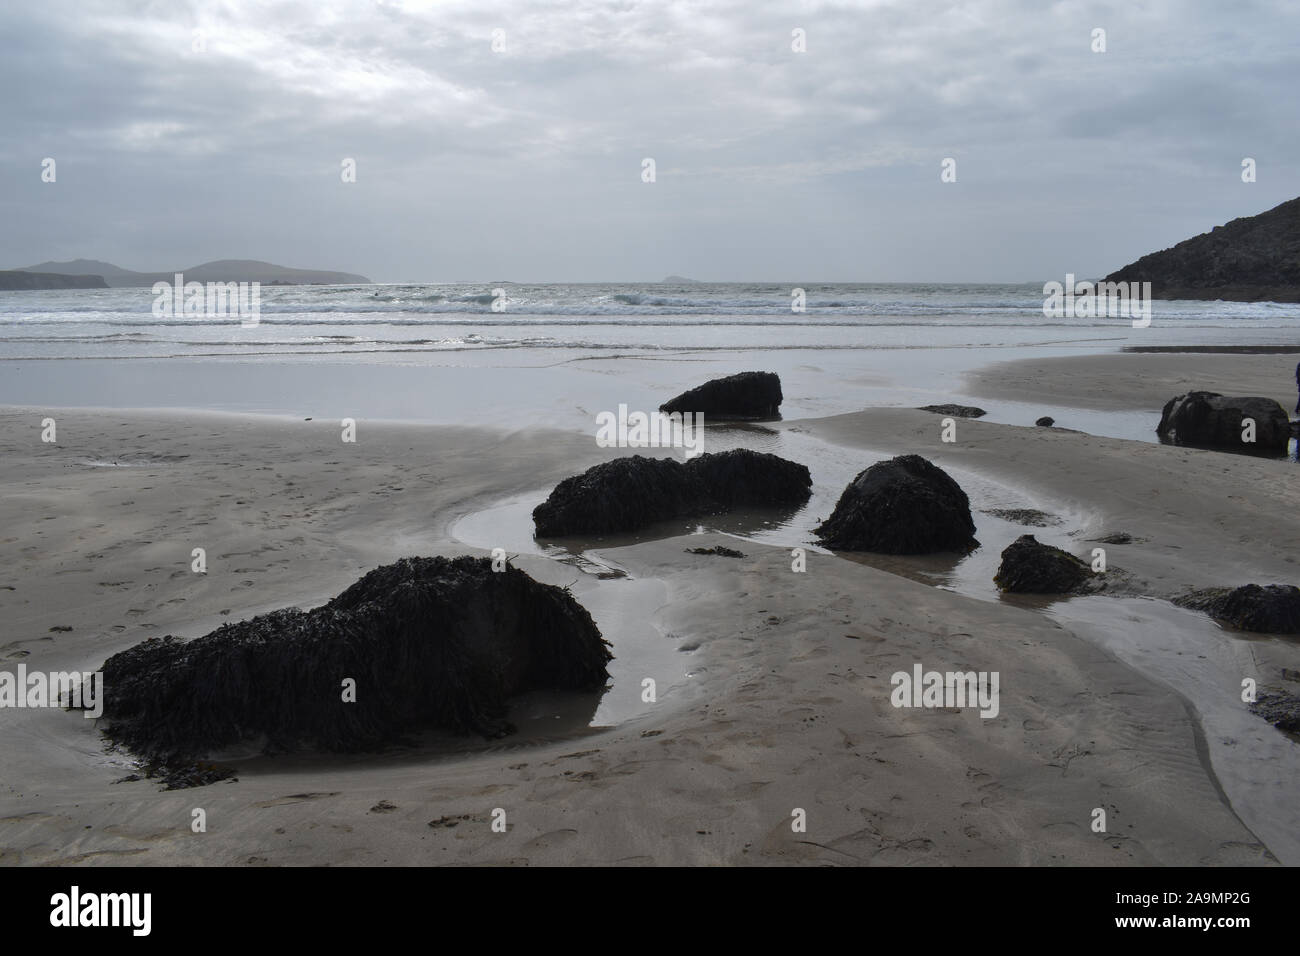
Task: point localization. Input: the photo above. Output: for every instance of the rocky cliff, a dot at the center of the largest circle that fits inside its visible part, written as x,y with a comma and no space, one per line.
1255,258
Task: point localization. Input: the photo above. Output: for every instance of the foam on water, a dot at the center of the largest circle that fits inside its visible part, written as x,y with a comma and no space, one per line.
119,323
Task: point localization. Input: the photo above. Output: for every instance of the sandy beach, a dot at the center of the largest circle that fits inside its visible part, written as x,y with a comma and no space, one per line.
774,685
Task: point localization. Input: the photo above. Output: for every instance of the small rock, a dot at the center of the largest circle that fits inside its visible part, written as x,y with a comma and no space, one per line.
957,411
1031,567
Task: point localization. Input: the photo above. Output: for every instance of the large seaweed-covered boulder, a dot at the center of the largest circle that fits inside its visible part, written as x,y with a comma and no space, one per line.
1031,567
745,395
629,493
742,478
1270,609
906,505
1211,419
429,642
622,495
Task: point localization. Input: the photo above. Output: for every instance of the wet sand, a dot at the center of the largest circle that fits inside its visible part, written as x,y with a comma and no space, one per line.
780,702
1137,380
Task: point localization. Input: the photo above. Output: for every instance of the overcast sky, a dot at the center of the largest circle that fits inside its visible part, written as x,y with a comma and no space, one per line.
526,164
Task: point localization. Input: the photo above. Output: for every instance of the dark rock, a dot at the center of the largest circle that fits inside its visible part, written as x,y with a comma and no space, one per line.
1031,567
744,395
1280,710
1252,259
430,642
1046,421
957,411
622,495
719,550
629,493
741,478
1271,609
1211,419
906,505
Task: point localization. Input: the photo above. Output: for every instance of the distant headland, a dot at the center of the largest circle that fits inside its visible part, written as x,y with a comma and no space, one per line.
1252,259
16,280
93,274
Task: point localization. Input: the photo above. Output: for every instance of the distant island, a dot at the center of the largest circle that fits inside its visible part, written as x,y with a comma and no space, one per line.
11,280
1252,259
679,280
93,274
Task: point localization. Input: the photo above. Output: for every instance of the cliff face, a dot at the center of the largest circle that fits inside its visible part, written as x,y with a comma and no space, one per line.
1256,258
49,280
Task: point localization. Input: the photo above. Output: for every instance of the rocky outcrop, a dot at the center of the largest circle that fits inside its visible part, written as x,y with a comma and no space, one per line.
1031,567
18,280
629,493
906,505
956,411
745,396
429,642
1255,258
1217,421
1270,609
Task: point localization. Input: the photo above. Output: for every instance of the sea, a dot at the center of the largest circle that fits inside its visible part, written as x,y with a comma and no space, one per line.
518,355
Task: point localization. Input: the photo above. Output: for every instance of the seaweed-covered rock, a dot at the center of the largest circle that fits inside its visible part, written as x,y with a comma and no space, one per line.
1047,421
1031,567
1279,709
745,395
1214,420
906,505
957,411
629,493
1271,609
741,478
622,495
429,642
719,550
